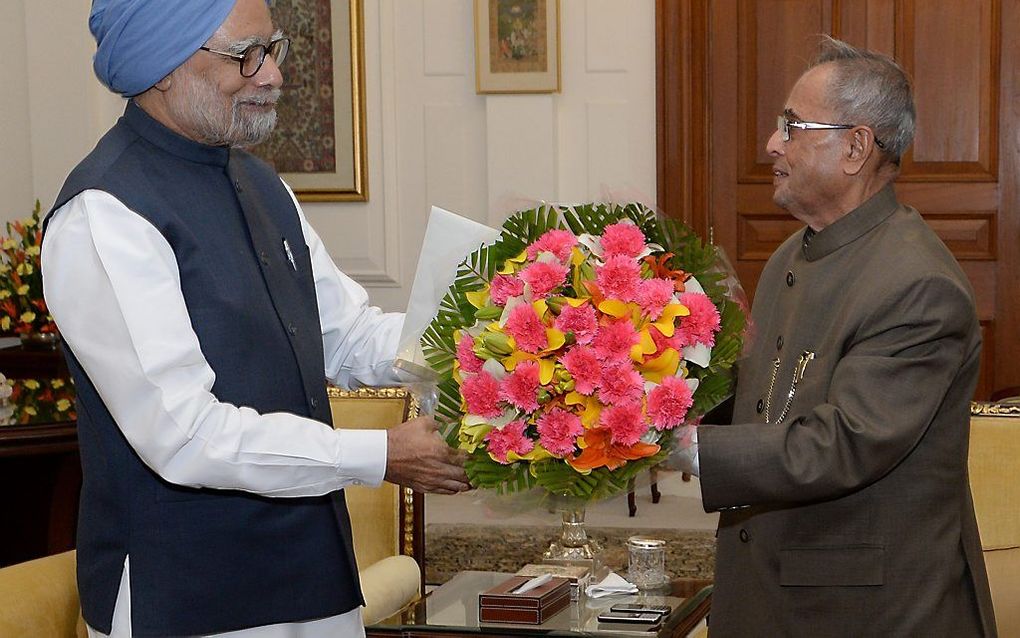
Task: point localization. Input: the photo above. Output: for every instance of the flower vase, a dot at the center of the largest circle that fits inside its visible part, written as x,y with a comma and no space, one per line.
573,546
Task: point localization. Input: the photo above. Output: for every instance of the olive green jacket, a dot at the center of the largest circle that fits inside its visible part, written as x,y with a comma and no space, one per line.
843,481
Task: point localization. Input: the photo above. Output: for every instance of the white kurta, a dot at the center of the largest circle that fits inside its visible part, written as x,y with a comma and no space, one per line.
113,287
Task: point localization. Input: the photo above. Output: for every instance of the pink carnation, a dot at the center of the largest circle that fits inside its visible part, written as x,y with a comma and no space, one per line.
622,239
619,278
621,384
503,287
544,277
668,403
509,439
703,322
556,241
584,367
520,387
481,394
654,295
526,328
615,339
625,423
557,430
469,361
580,321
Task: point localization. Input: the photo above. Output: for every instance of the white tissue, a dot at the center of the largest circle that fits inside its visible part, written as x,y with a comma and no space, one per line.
613,584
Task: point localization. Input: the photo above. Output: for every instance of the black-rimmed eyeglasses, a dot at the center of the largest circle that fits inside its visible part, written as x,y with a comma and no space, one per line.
251,59
784,124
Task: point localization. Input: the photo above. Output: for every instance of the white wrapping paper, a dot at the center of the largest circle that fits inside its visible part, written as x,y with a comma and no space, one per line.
449,238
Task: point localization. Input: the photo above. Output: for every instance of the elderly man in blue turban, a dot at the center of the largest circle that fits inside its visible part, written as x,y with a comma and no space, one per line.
202,317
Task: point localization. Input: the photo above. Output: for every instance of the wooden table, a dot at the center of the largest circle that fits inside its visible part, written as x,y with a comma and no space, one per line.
452,609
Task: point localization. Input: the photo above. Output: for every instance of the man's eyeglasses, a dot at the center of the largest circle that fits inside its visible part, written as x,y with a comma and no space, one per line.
252,58
784,124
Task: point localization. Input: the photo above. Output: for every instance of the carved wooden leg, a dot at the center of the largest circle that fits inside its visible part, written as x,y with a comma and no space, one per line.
631,503
654,476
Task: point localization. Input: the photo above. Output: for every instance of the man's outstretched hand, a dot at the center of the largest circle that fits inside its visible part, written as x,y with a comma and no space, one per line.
417,457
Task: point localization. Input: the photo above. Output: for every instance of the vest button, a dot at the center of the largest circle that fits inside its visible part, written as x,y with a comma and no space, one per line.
790,279
760,407
292,329
779,343
264,257
744,536
313,402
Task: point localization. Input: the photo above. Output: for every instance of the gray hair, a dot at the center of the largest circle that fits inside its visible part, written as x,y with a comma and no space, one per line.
871,89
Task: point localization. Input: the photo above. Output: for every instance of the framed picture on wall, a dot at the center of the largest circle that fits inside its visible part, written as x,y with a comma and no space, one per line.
517,46
318,146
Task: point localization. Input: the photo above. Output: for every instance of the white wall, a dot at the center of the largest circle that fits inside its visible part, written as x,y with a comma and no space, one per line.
431,139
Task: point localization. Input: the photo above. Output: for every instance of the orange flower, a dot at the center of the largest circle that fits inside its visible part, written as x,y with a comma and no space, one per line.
599,451
661,268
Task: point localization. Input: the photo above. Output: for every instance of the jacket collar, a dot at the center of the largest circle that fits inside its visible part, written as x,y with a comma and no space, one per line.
851,226
159,135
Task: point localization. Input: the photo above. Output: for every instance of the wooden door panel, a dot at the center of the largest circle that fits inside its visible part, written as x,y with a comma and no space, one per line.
950,49
775,39
741,57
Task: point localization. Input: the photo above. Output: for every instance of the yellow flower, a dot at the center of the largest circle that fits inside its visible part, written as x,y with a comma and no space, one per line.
31,384
21,269
9,244
22,290
32,250
28,268
30,222
30,410
57,384
4,294
27,317
63,405
5,323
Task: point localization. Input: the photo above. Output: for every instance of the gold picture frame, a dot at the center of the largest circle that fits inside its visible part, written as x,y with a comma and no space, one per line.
517,46
319,144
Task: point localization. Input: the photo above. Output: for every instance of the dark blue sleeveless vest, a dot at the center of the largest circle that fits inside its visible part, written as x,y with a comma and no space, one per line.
202,560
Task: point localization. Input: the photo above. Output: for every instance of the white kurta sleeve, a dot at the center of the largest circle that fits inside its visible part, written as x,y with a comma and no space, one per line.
360,341
112,285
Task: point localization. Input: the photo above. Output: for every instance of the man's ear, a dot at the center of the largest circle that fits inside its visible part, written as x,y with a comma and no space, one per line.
859,148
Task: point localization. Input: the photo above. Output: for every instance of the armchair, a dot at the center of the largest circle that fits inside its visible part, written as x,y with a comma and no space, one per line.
994,464
388,521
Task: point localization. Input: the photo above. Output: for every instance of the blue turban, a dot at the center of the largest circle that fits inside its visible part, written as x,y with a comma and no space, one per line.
139,42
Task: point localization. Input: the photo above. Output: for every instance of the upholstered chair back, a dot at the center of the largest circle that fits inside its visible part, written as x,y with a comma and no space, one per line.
995,482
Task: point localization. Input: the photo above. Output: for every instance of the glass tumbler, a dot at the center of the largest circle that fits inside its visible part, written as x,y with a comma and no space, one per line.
647,562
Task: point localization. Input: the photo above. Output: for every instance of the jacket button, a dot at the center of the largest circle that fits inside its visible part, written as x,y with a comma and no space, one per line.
744,536
292,329
779,342
264,257
313,402
760,407
790,279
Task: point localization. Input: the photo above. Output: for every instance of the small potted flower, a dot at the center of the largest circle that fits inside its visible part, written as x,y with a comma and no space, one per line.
23,310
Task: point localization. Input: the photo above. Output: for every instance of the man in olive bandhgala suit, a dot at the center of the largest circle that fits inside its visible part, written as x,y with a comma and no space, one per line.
842,484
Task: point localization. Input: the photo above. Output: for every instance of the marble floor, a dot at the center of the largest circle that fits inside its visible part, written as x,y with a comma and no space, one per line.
480,531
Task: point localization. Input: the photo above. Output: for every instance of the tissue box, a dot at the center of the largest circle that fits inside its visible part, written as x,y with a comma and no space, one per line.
578,575
530,608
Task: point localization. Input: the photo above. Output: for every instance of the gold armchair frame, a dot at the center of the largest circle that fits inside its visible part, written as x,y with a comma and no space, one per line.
411,522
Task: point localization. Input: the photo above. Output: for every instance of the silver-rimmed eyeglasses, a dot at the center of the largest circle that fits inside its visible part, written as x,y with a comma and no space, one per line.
784,123
252,58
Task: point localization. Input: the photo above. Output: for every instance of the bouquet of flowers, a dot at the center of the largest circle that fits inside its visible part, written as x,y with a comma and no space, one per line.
571,350
22,307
